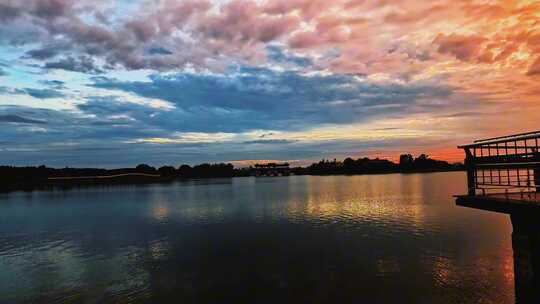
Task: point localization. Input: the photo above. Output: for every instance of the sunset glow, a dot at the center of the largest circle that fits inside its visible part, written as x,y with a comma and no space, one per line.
116,83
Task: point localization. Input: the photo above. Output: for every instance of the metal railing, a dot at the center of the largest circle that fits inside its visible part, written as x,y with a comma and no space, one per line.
509,163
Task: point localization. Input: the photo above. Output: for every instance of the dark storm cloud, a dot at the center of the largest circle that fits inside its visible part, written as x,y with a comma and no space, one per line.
269,141
534,69
51,9
111,153
5,90
463,47
42,93
465,114
8,12
45,9
237,29
247,99
83,64
386,129
196,119
36,93
277,55
19,119
68,127
256,98
43,53
55,84
159,51
42,21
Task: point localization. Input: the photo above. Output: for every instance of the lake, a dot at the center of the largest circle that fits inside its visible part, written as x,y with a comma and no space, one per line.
306,239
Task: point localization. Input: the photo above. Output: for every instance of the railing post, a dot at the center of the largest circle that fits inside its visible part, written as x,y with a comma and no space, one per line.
536,169
470,166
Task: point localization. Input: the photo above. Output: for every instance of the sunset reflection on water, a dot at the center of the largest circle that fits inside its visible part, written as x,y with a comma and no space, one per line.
304,238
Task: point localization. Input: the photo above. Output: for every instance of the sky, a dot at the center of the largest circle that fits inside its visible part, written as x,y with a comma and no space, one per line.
116,83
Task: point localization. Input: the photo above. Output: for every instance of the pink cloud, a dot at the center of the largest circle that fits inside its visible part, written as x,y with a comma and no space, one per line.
488,51
464,48
534,69
366,36
308,9
305,40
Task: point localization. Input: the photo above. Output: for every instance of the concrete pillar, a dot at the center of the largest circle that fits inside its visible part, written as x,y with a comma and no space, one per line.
526,247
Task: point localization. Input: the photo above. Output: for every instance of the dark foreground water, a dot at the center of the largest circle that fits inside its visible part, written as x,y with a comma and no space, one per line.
359,239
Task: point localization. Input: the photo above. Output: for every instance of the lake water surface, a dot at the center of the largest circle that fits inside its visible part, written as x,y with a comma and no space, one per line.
303,239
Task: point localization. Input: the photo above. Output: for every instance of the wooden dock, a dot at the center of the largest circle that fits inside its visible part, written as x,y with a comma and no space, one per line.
523,202
503,175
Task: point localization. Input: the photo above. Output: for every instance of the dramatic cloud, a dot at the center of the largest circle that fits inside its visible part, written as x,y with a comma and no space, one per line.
43,93
273,79
276,55
55,84
203,34
269,141
535,68
159,51
462,47
36,93
44,53
250,98
19,119
83,64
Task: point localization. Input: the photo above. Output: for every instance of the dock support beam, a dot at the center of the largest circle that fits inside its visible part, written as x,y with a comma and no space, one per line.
471,171
526,247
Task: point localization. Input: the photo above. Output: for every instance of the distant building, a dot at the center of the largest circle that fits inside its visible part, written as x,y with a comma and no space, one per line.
271,169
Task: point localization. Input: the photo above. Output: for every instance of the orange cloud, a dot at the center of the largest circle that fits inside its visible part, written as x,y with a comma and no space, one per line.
534,68
464,48
488,52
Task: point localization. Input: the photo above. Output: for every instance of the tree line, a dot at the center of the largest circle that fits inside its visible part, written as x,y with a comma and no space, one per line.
407,164
12,176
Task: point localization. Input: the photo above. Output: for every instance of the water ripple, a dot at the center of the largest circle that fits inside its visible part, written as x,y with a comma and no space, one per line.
304,239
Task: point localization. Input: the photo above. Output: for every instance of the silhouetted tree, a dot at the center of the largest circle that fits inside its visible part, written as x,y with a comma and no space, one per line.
185,171
28,177
406,162
167,171
213,170
144,168
348,165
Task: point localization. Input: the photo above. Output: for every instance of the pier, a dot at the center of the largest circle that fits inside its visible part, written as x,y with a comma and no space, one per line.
503,175
271,169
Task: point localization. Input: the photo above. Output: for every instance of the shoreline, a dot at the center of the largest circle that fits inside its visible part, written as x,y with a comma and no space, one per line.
70,182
